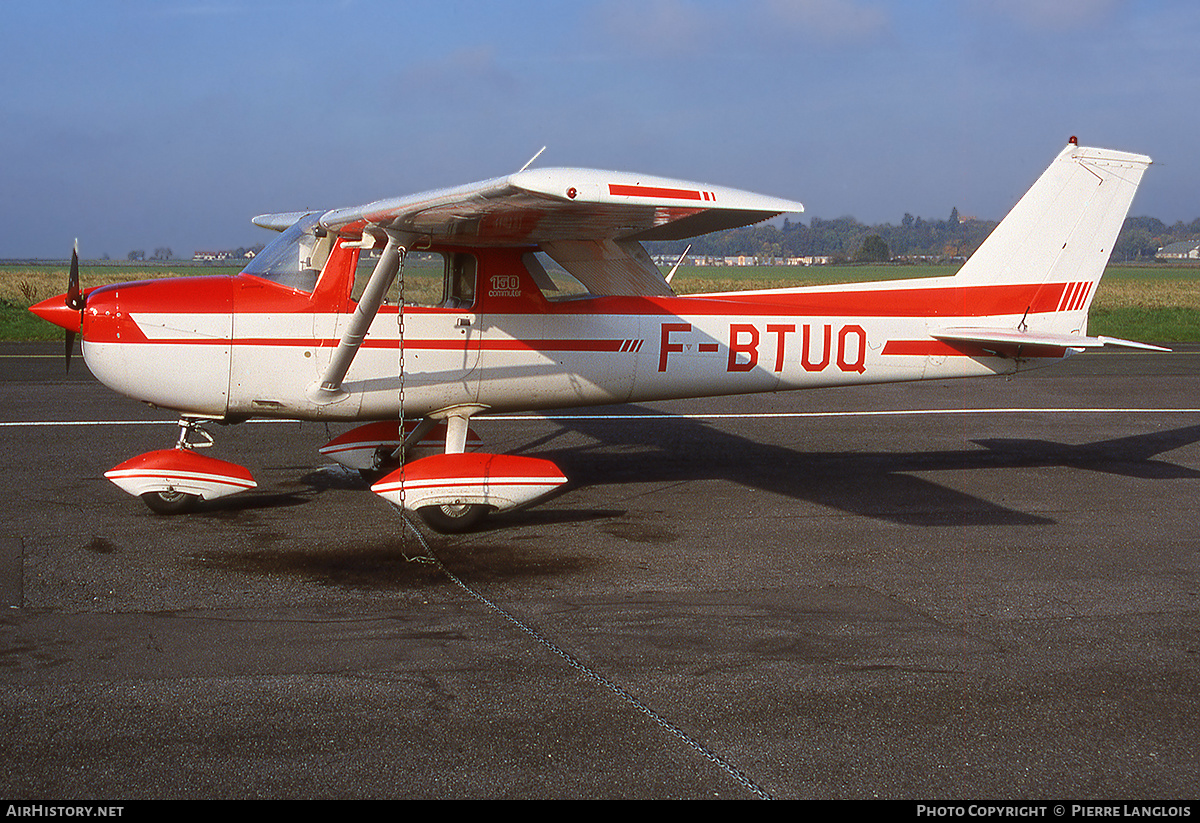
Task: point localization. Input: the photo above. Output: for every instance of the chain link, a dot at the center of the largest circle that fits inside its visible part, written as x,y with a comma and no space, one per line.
400,369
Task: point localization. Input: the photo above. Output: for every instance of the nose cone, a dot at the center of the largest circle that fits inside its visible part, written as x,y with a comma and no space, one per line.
55,310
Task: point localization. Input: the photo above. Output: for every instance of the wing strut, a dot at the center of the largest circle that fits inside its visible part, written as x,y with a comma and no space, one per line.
329,388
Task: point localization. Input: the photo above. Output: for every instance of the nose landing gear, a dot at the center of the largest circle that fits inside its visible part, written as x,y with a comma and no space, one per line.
173,481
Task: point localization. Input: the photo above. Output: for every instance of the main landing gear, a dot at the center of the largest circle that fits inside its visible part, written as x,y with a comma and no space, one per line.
425,468
454,490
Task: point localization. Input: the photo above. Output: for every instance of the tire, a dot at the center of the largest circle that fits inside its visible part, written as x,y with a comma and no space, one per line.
385,465
454,519
170,502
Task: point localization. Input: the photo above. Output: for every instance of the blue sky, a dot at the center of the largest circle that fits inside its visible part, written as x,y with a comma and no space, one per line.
134,125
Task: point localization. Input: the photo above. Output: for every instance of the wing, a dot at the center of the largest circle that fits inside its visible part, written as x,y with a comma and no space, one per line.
590,221
546,205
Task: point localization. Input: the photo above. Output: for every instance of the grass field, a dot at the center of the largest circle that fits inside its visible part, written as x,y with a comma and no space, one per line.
23,285
1150,303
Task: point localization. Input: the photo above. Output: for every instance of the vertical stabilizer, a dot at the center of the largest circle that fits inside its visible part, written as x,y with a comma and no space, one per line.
1060,235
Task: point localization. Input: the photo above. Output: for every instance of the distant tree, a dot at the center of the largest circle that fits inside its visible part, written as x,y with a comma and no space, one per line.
137,254
843,238
162,253
1152,225
1134,243
872,250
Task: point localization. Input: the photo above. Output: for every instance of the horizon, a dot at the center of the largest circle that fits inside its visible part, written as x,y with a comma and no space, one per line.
123,259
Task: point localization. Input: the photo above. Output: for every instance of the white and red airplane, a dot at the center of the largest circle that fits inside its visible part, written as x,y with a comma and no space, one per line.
286,338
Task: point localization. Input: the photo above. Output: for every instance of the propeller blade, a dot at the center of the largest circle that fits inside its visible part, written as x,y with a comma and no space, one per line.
75,301
70,348
74,298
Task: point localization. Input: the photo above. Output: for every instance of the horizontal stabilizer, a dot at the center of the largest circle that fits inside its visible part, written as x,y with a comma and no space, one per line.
1015,339
1129,344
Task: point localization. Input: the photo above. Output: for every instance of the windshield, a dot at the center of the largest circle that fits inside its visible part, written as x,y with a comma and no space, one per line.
296,257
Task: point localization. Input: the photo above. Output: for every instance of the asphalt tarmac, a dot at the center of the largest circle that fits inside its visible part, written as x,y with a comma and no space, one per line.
972,589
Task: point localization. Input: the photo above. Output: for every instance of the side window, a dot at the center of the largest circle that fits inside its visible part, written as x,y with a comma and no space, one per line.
423,273
460,281
553,280
429,279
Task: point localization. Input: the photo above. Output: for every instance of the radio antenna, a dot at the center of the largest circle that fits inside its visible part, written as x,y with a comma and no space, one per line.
531,159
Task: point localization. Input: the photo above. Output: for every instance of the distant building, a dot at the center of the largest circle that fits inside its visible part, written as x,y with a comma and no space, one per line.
740,260
1187,250
225,254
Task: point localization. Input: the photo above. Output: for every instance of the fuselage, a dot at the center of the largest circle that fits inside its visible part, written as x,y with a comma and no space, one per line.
533,291
245,346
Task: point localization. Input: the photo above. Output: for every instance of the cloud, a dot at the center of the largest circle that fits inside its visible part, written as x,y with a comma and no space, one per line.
1039,15
837,20
469,73
660,25
680,26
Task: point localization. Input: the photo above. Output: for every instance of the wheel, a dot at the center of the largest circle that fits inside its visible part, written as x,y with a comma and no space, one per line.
170,502
452,519
384,465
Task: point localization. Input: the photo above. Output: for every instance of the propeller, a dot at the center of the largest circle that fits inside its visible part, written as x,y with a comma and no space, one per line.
66,313
75,300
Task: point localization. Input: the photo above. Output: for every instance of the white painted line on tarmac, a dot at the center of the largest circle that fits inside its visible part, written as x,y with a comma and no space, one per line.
517,418
873,413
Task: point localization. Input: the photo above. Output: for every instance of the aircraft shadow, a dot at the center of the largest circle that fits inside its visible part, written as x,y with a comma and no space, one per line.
230,506
308,486
880,485
1131,456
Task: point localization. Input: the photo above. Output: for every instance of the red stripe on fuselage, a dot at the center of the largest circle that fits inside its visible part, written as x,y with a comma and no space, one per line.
963,301
423,345
927,301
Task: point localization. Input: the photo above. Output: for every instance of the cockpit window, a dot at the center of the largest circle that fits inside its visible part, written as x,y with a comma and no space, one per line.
296,257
